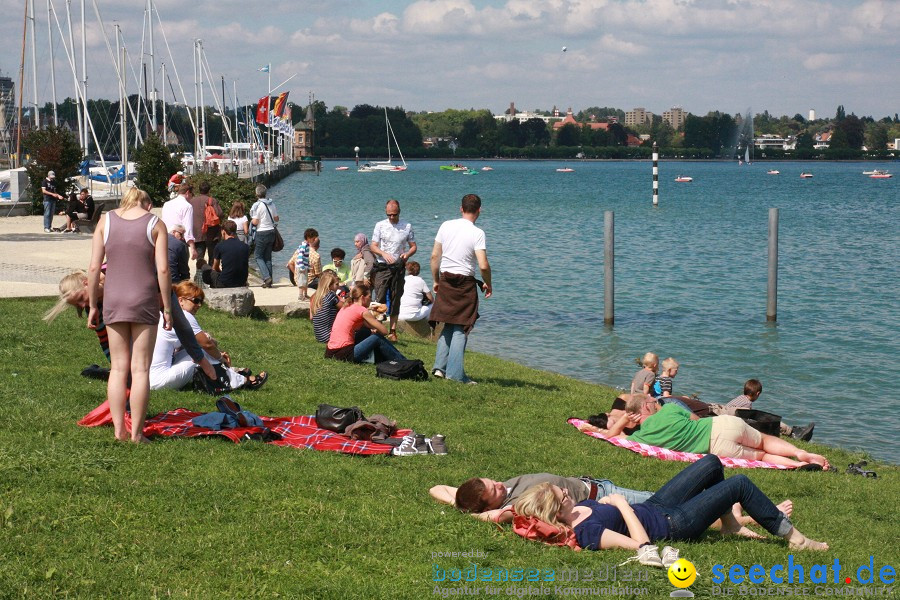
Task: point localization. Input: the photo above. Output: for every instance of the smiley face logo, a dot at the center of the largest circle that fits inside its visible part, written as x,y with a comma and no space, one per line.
682,573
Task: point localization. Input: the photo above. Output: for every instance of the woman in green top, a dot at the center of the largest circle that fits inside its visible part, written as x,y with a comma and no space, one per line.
674,428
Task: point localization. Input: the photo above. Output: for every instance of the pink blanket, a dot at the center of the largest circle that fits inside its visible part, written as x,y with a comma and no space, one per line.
666,454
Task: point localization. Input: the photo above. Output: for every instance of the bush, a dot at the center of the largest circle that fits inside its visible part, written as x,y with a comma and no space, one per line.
154,168
52,149
227,189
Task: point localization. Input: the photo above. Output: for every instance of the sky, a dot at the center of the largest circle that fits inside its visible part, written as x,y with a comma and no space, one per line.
784,56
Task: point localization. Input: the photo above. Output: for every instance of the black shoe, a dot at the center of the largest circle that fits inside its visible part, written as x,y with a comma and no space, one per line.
803,433
267,282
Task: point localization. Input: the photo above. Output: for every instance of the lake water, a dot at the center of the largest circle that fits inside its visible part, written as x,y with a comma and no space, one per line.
690,274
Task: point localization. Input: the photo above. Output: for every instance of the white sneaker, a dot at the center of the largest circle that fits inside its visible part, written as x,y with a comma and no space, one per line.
437,373
412,445
646,555
669,556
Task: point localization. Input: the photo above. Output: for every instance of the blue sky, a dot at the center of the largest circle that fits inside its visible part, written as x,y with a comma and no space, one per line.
784,56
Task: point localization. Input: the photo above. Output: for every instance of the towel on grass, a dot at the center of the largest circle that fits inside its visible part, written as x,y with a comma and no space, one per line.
297,432
666,454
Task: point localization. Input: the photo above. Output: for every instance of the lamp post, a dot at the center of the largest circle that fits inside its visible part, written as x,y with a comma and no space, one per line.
356,149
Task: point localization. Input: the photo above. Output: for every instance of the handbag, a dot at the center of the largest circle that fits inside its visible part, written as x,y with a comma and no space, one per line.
214,387
278,244
402,369
337,419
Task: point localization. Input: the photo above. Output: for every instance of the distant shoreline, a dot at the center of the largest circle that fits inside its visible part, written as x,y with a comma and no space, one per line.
587,160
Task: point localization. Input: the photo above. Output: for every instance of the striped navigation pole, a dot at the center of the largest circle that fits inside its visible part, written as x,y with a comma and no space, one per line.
772,288
655,174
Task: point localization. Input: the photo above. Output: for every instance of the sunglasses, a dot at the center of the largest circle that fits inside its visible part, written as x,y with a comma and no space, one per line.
396,214
194,300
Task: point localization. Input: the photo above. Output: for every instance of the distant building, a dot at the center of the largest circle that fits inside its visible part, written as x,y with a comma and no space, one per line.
512,113
638,116
823,140
7,98
812,114
303,135
570,120
674,117
773,141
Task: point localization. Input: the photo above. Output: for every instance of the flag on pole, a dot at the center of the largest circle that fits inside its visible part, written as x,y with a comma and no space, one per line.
262,111
280,104
265,68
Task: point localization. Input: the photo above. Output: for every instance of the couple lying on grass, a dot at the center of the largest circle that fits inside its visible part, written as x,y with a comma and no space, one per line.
603,515
675,428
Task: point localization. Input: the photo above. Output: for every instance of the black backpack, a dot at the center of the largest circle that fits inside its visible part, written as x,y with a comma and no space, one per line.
402,369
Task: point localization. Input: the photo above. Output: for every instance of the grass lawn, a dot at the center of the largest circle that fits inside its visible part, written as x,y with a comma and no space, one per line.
84,516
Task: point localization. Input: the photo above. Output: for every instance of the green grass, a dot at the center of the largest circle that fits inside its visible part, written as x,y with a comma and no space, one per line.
84,516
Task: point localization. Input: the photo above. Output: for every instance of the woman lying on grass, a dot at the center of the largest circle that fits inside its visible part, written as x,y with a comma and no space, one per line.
682,509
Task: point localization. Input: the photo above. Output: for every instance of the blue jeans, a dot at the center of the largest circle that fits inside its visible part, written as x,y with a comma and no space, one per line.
700,494
49,209
383,349
672,400
450,353
607,488
263,252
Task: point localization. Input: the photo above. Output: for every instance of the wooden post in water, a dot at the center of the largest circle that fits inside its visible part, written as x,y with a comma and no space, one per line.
609,257
772,293
655,174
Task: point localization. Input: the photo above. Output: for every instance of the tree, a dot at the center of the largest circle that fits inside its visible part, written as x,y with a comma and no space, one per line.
876,136
568,135
154,167
839,114
854,130
52,149
227,188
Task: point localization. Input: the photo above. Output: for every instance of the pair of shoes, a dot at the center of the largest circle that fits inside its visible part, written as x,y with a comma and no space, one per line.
437,445
810,467
245,372
256,382
228,406
267,282
803,433
647,555
68,231
857,469
669,556
391,337
438,374
412,445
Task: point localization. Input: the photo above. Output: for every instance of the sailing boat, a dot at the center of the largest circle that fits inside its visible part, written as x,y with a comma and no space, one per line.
386,165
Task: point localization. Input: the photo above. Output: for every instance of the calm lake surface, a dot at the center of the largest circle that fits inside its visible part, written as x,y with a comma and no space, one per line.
690,274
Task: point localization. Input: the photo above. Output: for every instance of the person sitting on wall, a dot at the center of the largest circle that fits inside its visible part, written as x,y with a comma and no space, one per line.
230,260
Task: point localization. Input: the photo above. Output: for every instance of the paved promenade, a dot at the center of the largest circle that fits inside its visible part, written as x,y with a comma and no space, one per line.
32,262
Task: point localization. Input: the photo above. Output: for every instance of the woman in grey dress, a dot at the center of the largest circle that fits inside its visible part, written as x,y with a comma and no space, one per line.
134,242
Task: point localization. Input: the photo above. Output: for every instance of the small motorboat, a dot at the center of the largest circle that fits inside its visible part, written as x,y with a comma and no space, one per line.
806,175
487,168
872,172
880,175
684,179
342,168
773,172
565,170
470,172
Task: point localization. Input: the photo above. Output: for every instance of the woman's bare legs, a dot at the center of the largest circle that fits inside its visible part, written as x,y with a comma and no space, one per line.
144,337
120,365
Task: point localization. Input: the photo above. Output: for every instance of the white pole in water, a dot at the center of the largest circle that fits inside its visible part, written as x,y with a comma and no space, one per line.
655,174
772,292
609,257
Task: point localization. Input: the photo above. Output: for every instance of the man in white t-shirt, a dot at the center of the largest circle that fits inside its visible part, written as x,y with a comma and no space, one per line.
459,248
178,211
393,242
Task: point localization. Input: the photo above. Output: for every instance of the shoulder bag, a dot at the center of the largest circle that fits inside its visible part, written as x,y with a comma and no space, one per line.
278,244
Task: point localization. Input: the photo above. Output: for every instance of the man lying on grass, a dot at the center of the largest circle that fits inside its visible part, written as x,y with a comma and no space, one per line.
491,500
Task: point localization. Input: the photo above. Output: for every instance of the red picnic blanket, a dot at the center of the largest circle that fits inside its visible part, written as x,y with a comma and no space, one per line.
666,454
298,432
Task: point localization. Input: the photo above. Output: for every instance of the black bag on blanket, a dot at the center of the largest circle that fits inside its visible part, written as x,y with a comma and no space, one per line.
402,369
337,419
214,387
760,420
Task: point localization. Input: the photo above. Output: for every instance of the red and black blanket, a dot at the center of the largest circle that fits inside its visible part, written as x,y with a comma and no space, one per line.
298,432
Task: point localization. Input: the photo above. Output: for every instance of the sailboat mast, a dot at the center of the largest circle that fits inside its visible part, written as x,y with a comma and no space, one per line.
387,132
152,66
52,61
21,90
84,115
82,135
37,113
165,132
